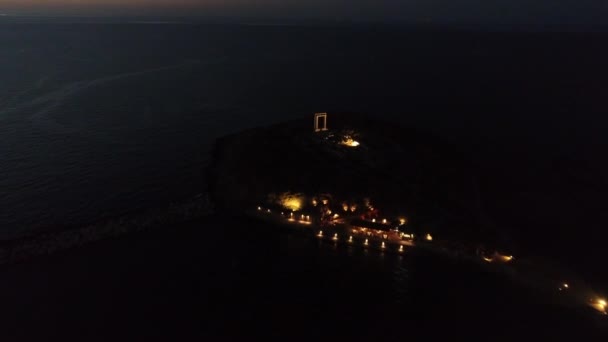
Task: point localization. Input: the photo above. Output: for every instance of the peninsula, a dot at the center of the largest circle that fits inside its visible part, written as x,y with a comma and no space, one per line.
359,178
351,179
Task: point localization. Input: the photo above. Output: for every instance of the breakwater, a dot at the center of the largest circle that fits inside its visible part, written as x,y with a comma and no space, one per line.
46,243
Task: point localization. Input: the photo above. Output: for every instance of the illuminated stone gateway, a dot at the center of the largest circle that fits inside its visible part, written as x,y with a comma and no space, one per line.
320,122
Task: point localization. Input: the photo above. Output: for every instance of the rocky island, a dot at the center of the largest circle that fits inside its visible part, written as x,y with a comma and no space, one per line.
355,175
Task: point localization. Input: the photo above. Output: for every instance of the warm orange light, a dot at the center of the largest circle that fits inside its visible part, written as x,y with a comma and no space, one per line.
506,258
335,237
350,239
599,305
383,245
566,285
320,233
384,221
353,208
498,258
373,220
291,201
336,215
366,242
400,248
350,142
259,208
345,206
429,237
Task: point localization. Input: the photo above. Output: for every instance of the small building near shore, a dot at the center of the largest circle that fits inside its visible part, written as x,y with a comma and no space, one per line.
374,229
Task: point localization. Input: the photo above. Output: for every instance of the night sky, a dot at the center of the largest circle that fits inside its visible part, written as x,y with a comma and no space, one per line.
505,13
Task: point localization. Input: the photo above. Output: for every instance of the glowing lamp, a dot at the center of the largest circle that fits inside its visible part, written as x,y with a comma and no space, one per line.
350,142
506,258
599,305
429,237
335,237
401,248
293,203
366,242
383,245
320,233
350,239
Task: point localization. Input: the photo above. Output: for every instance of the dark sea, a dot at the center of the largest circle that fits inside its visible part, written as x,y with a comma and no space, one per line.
99,119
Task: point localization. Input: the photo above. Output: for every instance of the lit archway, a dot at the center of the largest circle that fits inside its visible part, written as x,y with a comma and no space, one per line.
320,122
